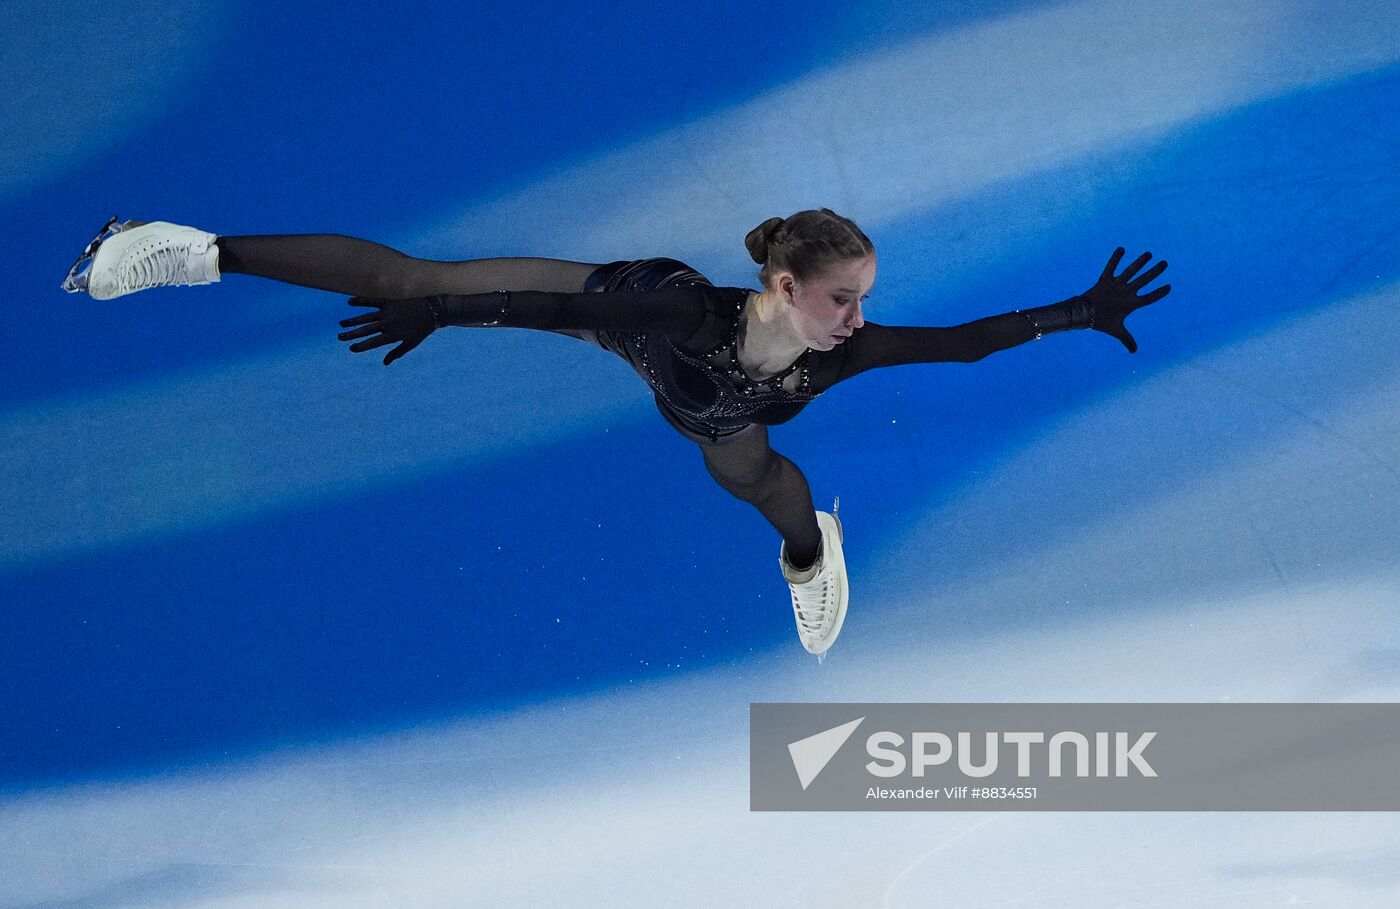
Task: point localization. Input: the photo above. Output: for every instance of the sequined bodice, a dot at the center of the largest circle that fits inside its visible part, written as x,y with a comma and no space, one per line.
685,345
710,389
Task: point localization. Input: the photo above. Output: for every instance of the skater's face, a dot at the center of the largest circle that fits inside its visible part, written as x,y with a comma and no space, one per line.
826,309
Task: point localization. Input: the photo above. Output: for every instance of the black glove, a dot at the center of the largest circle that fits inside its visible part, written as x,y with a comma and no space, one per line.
406,322
1113,299
1105,305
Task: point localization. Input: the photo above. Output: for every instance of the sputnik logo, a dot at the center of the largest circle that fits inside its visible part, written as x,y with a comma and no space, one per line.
811,755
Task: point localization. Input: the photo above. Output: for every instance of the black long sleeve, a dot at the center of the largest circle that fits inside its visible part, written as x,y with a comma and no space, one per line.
676,310
874,346
680,311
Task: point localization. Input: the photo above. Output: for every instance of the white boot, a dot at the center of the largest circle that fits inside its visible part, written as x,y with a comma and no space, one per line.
132,256
820,592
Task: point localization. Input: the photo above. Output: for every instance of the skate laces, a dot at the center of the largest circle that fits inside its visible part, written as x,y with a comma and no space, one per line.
169,264
813,600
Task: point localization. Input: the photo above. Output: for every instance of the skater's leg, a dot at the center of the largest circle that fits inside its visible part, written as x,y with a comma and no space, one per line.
363,268
752,471
814,567
140,255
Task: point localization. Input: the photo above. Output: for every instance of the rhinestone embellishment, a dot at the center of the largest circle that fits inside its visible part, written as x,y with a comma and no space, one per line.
737,396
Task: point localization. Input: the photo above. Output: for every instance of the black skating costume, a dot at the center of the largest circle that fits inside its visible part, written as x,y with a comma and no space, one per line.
679,332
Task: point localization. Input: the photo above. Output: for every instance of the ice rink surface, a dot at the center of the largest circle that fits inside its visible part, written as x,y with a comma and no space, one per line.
283,627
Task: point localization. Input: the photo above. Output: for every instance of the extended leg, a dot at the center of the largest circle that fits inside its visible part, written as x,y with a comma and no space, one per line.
752,471
139,255
362,268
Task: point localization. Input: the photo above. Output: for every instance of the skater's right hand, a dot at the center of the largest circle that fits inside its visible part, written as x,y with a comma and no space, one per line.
405,322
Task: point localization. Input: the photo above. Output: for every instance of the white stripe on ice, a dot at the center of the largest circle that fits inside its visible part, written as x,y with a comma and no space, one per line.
896,133
912,126
1260,465
638,797
312,424
562,803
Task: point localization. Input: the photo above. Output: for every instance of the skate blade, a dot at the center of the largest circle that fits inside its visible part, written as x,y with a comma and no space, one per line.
77,279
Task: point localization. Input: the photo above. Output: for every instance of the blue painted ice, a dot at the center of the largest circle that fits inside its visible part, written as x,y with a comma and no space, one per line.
285,627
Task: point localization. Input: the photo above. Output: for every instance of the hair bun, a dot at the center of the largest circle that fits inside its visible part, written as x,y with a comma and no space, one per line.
804,244
760,238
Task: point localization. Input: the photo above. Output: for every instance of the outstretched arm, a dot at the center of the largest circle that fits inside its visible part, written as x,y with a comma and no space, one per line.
1102,307
677,310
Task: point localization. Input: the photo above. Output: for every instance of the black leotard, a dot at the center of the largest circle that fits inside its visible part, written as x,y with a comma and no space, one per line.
705,397
677,330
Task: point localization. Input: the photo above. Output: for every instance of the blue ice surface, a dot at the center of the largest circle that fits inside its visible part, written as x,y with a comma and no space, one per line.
568,567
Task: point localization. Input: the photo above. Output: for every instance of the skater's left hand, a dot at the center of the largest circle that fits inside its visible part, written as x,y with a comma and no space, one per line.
1115,298
406,322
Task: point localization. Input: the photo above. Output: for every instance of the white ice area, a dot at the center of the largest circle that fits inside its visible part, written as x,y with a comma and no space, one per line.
182,454
896,134
1261,466
1237,539
81,77
639,796
920,124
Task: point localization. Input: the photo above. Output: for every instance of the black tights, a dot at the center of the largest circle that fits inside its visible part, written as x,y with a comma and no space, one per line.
360,268
752,471
749,468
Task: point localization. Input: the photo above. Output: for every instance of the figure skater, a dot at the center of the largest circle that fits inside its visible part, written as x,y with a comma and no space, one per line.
724,363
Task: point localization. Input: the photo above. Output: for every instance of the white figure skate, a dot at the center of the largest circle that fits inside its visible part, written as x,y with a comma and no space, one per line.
133,255
819,603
